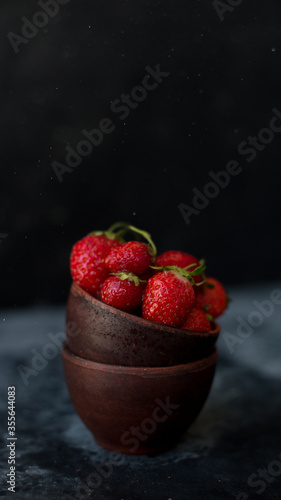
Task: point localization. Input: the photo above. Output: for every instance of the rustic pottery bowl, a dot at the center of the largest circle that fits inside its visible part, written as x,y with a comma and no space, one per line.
103,334
137,410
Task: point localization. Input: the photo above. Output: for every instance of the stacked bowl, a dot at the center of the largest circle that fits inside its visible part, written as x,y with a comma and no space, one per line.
137,385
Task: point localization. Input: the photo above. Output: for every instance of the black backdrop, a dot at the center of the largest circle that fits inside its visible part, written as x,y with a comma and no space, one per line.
66,70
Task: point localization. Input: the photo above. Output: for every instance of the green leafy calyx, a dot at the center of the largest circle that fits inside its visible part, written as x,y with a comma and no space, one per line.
186,272
129,276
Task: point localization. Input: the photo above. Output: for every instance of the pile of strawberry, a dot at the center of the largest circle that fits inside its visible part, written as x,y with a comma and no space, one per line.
170,288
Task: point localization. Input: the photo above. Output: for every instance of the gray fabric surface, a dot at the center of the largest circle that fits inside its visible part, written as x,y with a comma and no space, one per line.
235,438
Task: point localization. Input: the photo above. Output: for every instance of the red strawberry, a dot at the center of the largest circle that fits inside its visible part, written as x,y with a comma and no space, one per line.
123,291
168,297
212,298
87,264
133,257
179,259
197,321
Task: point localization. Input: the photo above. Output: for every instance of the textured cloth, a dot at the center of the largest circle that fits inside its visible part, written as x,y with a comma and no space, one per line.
235,440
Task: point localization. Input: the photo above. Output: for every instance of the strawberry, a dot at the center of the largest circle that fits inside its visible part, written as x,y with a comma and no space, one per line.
87,257
179,259
133,257
212,297
168,298
197,321
123,291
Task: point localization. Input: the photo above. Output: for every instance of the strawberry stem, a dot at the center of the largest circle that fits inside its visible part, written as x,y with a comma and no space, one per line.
110,232
184,271
146,236
129,276
116,225
209,285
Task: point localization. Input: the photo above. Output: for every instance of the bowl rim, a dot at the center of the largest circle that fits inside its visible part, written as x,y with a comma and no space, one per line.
143,371
76,290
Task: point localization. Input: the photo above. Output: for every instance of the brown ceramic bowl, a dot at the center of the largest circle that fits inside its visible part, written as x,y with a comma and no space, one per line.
138,410
101,333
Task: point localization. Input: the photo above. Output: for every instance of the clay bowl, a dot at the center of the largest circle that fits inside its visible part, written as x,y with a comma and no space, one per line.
101,333
138,410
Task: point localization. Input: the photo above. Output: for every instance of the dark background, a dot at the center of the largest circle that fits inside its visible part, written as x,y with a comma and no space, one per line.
224,82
